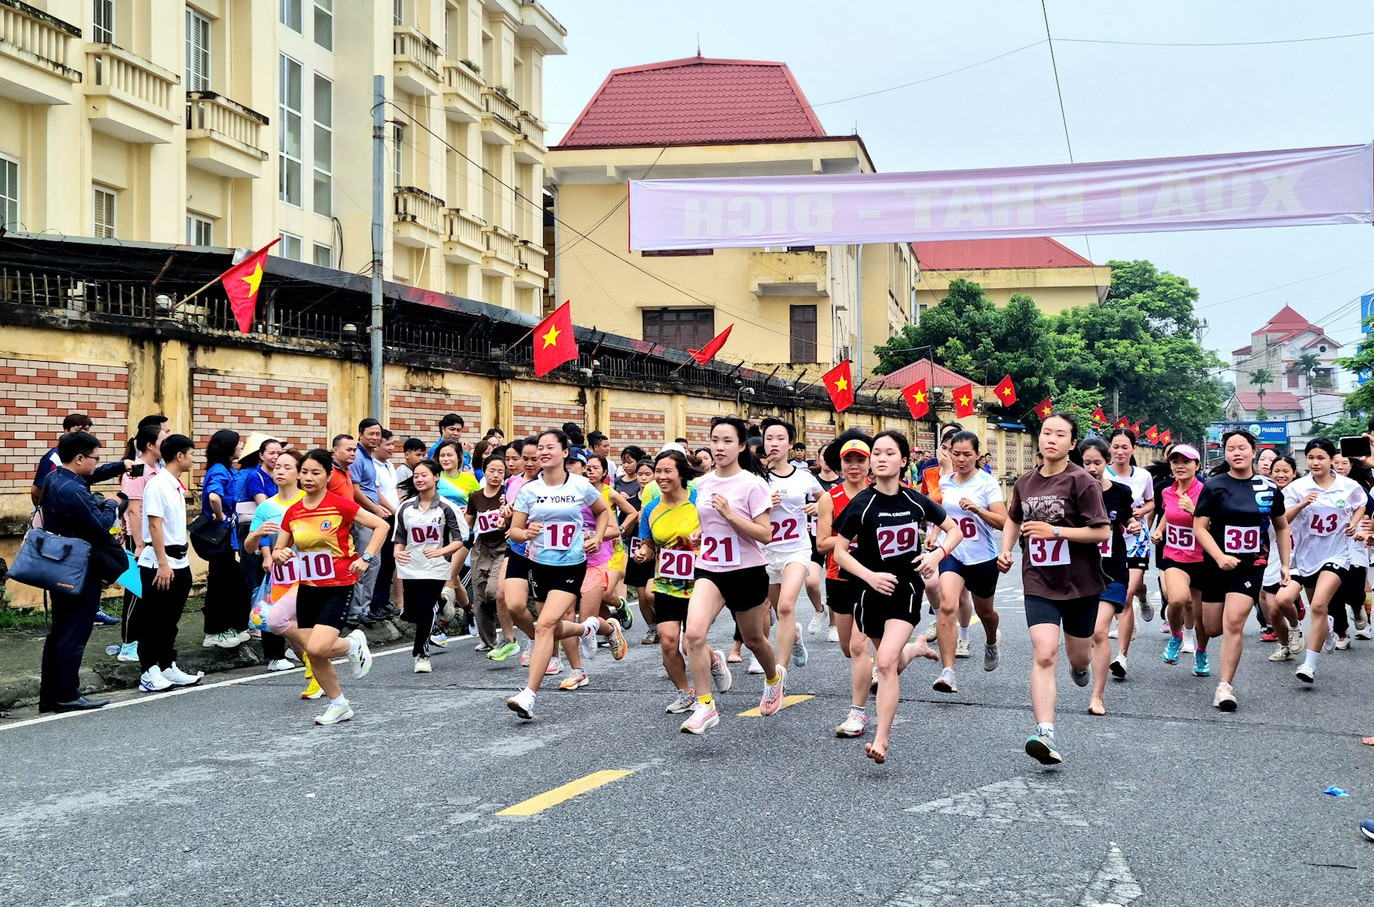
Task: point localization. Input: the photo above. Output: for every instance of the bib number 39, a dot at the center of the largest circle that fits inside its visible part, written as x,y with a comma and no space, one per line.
1242,539
1048,552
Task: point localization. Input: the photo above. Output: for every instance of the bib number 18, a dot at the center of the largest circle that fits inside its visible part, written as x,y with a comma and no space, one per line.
559,536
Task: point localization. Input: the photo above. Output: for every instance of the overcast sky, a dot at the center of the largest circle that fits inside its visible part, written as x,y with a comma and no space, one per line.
1121,102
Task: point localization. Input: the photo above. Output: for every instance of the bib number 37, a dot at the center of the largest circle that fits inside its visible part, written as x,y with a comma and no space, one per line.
1048,552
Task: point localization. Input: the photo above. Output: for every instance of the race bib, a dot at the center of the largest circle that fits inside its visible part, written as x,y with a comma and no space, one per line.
678,564
1048,552
969,527
285,574
1105,547
1242,539
813,526
720,551
559,536
1327,523
787,529
1180,537
304,568
488,521
423,535
898,540
635,544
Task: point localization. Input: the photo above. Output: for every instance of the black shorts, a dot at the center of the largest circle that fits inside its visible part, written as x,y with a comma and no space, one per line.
637,574
816,556
1309,582
1138,563
1244,580
742,590
841,594
545,579
872,611
1197,573
1078,616
322,606
517,567
979,579
669,609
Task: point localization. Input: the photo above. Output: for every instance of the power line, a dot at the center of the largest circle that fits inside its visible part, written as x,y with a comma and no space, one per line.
1362,34
921,81
1282,286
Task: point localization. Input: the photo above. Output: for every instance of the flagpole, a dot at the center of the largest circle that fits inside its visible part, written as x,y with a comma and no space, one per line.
186,299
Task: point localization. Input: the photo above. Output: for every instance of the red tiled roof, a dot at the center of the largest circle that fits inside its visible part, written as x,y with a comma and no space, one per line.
935,375
1274,401
990,254
693,101
1243,351
1286,319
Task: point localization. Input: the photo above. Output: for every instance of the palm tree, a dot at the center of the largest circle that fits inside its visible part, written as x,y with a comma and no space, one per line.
1259,378
1309,362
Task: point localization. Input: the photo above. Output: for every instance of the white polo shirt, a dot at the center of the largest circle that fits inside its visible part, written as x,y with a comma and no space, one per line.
164,496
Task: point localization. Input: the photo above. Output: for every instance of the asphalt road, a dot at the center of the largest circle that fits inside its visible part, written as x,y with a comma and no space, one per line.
228,794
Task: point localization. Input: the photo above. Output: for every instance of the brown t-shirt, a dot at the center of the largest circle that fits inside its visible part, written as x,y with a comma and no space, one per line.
1058,569
478,504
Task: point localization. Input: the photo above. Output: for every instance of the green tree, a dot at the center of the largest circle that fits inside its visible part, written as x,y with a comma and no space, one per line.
1343,427
1165,299
1261,378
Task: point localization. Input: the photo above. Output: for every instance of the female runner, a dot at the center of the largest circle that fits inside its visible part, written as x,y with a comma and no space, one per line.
1119,500
1123,443
591,602
513,589
794,492
1233,514
733,506
1182,562
429,530
262,535
1058,509
885,520
327,567
1352,592
1283,470
548,517
973,499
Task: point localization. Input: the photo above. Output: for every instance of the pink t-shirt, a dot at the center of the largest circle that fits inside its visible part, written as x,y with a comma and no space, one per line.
1180,540
722,548
133,490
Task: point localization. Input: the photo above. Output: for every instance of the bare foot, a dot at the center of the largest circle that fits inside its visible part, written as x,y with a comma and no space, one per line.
876,751
1096,707
1367,741
734,659
918,649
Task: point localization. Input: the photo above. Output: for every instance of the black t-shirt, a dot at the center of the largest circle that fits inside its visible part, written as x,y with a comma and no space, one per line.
1118,500
887,528
1240,512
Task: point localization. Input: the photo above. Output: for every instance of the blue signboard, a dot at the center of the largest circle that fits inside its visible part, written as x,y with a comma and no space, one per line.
1266,432
1366,311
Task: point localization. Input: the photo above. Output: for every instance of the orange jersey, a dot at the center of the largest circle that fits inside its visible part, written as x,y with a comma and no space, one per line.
930,484
324,529
839,501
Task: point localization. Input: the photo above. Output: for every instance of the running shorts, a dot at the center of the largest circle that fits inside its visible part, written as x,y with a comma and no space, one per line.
1244,580
1115,595
1078,616
1197,573
322,606
669,609
545,579
979,579
517,567
841,594
872,611
778,560
742,590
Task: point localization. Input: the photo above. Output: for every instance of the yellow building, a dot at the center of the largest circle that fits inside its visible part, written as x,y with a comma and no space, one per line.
228,122
1052,274
795,308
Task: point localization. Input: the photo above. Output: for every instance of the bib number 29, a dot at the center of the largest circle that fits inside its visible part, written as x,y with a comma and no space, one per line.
1048,552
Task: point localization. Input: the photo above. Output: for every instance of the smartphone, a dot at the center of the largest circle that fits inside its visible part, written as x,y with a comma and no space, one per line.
1355,447
136,471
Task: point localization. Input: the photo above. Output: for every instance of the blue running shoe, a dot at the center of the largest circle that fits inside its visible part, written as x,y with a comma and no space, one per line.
1171,649
104,620
128,652
1367,828
1200,666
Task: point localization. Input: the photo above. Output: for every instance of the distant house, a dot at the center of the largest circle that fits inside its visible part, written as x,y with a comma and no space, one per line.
1279,406
1049,272
1293,395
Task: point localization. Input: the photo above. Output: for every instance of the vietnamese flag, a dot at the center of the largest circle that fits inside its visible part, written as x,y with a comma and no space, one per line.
1165,437
1153,434
553,341
839,381
1123,422
241,284
1099,415
709,351
963,401
917,398
1006,392
1136,428
1044,408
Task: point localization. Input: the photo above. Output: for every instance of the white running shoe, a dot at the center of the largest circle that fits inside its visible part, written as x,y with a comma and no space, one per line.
586,643
854,724
992,654
819,621
522,704
932,631
1281,653
555,665
772,694
945,683
337,712
1330,645
1225,698
1365,632
422,665
721,677
525,654
360,655
1112,634
1296,641
152,681
180,678
961,648
754,666
279,664
799,649
1118,666
833,634
702,719
1189,642
683,702
1304,673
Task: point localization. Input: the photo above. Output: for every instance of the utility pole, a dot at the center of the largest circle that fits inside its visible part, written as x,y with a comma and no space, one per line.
375,378
859,313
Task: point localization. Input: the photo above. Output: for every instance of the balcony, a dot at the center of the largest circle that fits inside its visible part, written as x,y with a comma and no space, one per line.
529,266
36,55
498,257
462,93
530,148
417,62
499,114
419,218
222,137
130,98
788,274
463,243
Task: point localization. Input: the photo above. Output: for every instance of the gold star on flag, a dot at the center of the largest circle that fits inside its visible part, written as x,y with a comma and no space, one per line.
964,400
551,338
920,396
841,384
1006,392
253,279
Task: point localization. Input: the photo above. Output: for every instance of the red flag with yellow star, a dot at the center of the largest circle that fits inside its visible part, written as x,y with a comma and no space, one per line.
1123,422
241,284
1165,437
1044,408
1006,392
963,401
839,381
1099,415
553,341
1153,434
917,397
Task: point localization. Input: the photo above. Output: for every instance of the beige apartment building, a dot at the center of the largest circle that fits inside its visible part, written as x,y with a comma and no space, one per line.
225,123
796,309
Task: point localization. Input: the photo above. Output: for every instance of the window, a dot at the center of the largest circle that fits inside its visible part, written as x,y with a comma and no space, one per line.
102,212
200,231
323,255
398,136
197,51
102,21
291,15
1292,379
324,146
803,333
290,246
9,193
290,144
324,23
680,328
398,12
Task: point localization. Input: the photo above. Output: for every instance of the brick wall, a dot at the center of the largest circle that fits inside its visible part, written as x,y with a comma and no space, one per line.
37,394
817,434
1027,453
297,412
533,417
699,428
925,439
641,427
413,414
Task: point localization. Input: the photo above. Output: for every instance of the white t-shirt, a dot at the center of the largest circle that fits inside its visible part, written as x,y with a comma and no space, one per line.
417,528
722,548
983,490
1319,528
1142,486
790,532
165,497
386,483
